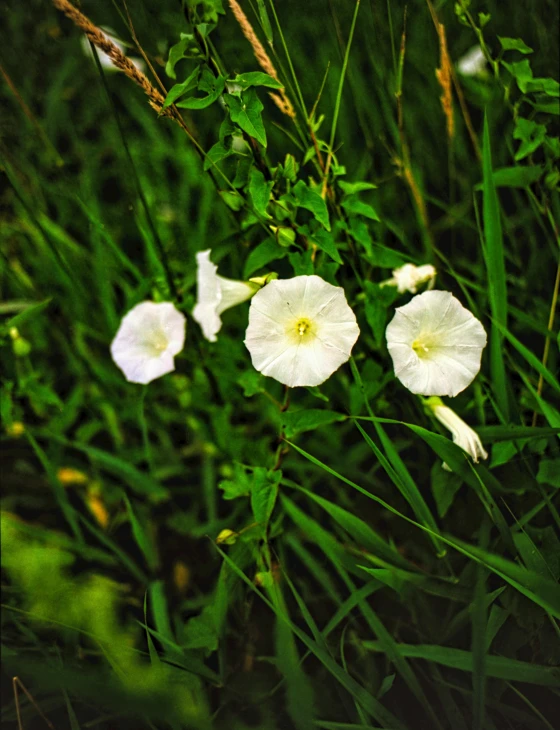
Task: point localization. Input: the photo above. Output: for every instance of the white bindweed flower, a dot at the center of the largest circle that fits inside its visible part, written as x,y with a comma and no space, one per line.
215,294
104,59
436,344
409,277
300,330
462,434
149,336
473,63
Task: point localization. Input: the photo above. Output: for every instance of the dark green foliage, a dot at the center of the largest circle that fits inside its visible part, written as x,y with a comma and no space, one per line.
216,550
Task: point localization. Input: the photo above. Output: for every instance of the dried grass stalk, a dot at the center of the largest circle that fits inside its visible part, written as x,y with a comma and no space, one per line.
444,77
100,40
281,99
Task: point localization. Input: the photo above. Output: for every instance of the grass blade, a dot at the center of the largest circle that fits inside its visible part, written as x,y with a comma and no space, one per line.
496,666
493,249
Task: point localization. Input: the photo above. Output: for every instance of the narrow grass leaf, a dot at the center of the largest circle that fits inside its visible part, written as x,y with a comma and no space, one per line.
478,642
496,666
539,590
143,541
369,703
136,480
493,250
59,493
532,359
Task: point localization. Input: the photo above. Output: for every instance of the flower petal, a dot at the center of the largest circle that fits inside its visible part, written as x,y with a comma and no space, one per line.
147,339
436,344
272,337
215,294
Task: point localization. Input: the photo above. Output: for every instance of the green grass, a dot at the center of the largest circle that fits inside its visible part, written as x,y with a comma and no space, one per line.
214,550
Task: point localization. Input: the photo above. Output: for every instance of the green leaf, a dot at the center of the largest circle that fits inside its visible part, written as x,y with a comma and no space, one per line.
214,87
302,263
257,78
521,71
232,199
265,252
353,206
185,48
547,106
200,632
493,250
252,383
216,153
264,491
28,313
378,301
349,188
239,486
514,44
246,113
517,177
260,191
445,485
549,472
547,86
312,201
308,420
325,241
496,666
205,29
531,135
178,90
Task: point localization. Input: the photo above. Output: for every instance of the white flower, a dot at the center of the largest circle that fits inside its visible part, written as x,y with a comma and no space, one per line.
104,59
300,330
436,344
409,277
215,294
147,340
463,435
473,63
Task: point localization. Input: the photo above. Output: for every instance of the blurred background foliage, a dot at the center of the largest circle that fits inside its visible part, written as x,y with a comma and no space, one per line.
319,608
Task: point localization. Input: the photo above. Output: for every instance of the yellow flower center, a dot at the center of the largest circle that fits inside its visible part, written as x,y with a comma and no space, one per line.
301,330
157,343
303,326
420,347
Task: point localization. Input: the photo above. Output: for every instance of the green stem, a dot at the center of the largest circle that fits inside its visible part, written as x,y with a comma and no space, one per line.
339,92
144,428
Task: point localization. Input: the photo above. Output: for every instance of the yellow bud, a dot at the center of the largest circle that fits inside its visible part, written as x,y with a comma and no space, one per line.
181,576
284,236
98,509
14,334
67,475
262,280
227,537
21,347
15,429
